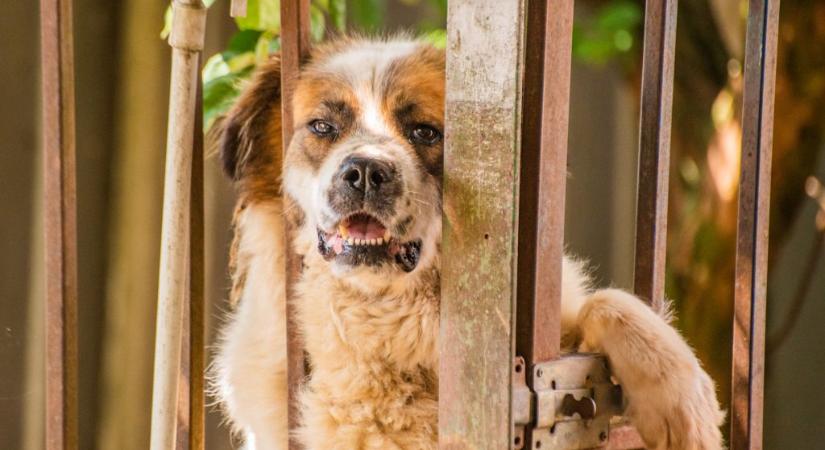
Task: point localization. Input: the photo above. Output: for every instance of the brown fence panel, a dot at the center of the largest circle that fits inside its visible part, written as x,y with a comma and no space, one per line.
752,232
294,50
654,148
57,65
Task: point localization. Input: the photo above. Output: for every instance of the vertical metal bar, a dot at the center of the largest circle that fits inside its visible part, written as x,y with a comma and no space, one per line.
544,130
654,148
544,172
294,50
752,230
197,301
57,65
483,119
186,39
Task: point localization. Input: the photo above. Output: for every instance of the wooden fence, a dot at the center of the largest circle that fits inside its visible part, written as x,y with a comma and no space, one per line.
508,85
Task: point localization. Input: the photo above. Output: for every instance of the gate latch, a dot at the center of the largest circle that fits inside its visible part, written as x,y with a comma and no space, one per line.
570,404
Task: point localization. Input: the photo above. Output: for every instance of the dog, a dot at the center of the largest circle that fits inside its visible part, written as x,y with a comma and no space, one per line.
360,185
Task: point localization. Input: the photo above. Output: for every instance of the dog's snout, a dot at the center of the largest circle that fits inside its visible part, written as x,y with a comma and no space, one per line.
366,174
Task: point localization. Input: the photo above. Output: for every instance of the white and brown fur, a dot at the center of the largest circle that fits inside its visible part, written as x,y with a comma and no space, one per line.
371,329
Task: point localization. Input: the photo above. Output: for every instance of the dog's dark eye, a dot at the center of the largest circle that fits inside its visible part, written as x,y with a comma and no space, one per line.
322,128
424,134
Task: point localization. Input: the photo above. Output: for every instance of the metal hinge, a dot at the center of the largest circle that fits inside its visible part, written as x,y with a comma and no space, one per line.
569,406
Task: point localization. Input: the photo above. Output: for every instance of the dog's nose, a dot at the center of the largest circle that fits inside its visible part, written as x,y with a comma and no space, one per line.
366,174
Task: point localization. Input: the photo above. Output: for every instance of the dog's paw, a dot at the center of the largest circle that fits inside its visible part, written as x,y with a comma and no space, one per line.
671,400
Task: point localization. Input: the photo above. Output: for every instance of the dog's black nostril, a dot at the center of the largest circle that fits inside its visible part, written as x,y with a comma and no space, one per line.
377,177
353,177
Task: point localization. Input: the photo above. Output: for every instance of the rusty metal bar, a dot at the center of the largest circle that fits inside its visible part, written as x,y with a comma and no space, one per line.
752,231
186,39
57,66
295,44
543,178
544,128
197,300
654,148
483,119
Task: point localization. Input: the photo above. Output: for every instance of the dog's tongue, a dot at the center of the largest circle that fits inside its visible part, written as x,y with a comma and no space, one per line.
363,226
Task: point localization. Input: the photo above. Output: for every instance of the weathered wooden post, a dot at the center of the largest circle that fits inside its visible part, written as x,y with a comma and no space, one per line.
57,69
186,39
751,269
483,109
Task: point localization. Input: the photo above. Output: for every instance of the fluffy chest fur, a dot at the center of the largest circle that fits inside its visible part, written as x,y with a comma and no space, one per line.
374,358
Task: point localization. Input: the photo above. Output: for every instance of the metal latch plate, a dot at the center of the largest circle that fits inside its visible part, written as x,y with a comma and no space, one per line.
570,405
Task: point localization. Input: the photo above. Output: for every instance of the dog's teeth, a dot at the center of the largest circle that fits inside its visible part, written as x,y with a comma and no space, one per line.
379,241
350,241
342,230
359,242
386,235
373,241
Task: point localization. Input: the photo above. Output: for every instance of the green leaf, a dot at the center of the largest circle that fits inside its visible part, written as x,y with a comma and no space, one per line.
261,15
337,11
244,41
167,23
609,34
438,38
317,23
367,14
215,67
219,94
262,47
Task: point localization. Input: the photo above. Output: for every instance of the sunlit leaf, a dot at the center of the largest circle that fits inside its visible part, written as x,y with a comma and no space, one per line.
261,15
215,67
438,38
262,47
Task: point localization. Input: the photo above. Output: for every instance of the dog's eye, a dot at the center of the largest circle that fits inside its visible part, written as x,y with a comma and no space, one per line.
424,134
322,128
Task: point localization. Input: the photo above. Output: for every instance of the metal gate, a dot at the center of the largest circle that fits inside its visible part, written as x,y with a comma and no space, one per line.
508,74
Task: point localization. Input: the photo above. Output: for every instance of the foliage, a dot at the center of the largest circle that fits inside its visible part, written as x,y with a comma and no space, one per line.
610,33
258,36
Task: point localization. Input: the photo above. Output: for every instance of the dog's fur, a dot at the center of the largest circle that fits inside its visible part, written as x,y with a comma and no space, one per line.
370,315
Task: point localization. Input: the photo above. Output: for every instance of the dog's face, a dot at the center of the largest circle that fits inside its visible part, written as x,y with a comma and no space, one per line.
363,168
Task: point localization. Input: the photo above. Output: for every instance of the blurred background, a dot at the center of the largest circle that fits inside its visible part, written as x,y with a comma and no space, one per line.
122,69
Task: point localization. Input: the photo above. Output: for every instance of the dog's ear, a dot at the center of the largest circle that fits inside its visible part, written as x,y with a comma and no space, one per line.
251,131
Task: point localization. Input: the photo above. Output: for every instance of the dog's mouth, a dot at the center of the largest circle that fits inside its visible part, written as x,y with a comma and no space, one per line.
363,239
